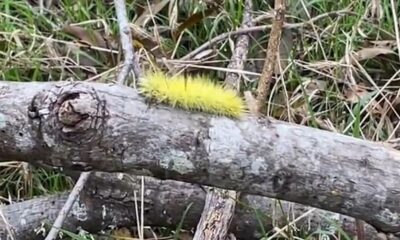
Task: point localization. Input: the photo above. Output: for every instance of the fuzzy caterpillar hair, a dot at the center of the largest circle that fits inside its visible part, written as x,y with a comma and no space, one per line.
192,93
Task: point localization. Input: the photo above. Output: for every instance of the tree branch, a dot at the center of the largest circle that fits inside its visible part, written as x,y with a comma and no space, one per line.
272,52
108,200
239,55
84,126
220,204
67,206
130,61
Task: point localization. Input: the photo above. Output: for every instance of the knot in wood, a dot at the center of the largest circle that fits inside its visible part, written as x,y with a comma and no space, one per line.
77,111
69,112
282,180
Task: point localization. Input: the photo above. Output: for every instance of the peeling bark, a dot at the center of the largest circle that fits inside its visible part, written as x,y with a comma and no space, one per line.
106,127
217,215
108,201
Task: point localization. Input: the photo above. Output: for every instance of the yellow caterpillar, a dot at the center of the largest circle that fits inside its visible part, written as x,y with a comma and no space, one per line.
192,93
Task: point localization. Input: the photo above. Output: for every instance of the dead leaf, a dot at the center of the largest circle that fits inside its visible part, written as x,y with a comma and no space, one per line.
360,94
388,44
193,20
91,38
354,94
150,11
143,39
369,53
86,36
313,86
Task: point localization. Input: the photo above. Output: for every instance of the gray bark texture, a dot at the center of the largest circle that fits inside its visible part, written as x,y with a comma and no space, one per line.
108,201
107,127
239,55
218,211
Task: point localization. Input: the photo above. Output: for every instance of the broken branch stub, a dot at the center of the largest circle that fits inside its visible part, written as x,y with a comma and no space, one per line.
69,116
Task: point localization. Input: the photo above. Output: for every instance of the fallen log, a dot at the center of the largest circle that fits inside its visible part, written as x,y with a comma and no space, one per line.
108,201
106,127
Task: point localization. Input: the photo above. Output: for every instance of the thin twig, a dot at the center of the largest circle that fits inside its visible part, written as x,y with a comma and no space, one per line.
142,206
396,25
130,60
291,223
49,3
41,6
8,226
239,55
68,205
262,28
272,50
138,221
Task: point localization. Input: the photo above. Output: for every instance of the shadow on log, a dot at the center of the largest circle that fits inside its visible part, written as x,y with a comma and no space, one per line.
108,200
106,127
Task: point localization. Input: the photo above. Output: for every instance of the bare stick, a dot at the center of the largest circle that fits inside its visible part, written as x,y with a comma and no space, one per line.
220,204
270,60
130,61
396,25
218,212
241,49
67,207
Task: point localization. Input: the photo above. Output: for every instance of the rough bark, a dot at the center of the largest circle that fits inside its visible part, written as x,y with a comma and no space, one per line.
80,125
239,55
130,58
219,209
108,200
270,62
